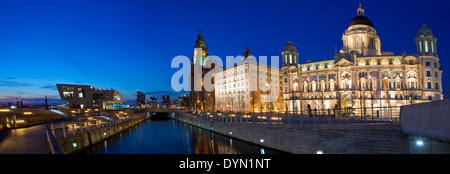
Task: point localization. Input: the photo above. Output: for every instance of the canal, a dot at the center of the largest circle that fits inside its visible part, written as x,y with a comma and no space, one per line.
173,137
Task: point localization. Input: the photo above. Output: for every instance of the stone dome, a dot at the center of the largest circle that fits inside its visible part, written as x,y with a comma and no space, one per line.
425,30
361,20
289,47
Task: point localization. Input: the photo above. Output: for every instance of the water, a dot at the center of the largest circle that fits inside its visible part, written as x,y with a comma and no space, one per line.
173,137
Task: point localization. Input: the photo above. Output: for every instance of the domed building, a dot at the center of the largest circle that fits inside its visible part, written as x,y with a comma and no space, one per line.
361,76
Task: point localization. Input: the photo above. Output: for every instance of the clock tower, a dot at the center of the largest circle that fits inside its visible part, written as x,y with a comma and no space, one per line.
199,98
200,43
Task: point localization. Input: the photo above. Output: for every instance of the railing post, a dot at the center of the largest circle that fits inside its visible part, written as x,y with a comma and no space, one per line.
329,116
365,116
53,130
64,129
346,118
314,116
81,127
14,122
73,128
301,118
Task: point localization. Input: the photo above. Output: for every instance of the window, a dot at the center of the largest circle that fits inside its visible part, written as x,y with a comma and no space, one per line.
427,63
373,62
290,59
426,46
432,47
428,74
437,86
435,74
285,59
384,62
397,61
435,65
67,91
81,93
429,85
430,98
420,46
362,62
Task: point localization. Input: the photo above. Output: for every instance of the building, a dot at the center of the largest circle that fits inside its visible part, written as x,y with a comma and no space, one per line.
360,75
237,89
140,99
200,99
183,102
88,97
166,101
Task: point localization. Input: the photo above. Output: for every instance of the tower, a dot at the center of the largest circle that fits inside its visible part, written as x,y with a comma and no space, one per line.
361,36
200,43
426,42
199,98
290,55
430,69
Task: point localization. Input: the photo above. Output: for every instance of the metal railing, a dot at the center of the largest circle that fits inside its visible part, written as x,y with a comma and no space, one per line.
348,115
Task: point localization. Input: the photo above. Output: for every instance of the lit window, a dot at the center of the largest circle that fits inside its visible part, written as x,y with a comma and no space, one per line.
373,62
362,62
420,46
432,47
397,61
426,46
384,62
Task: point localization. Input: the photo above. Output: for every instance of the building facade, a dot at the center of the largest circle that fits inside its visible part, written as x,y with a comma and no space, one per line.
238,89
88,97
200,99
140,99
360,75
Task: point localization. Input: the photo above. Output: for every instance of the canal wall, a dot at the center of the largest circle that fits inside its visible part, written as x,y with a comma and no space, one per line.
430,119
312,138
71,144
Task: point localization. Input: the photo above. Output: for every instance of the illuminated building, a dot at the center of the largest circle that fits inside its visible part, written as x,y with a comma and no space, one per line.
360,75
88,97
200,99
166,101
237,89
140,99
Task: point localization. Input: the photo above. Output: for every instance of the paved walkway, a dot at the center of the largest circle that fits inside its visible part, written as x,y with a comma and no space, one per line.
29,140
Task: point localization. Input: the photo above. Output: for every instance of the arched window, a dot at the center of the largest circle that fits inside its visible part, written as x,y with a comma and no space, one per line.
396,61
420,46
426,46
432,47
373,62
384,62
362,62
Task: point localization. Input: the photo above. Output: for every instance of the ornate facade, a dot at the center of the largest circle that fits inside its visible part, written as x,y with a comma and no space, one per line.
360,75
200,99
238,89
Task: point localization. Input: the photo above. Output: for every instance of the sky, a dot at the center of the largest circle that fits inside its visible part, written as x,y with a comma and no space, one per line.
129,45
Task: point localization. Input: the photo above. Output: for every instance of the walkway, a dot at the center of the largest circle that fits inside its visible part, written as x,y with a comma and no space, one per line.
30,140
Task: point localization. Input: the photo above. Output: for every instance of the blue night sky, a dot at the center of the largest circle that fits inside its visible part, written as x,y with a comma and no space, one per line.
129,45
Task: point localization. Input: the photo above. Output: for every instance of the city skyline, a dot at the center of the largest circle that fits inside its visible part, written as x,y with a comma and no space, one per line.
125,46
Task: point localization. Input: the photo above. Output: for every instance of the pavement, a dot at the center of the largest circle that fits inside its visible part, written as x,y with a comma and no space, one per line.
30,140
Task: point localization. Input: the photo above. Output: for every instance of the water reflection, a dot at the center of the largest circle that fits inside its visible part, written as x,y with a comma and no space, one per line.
173,137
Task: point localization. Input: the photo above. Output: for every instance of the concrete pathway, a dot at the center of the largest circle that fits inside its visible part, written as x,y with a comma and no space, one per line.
30,140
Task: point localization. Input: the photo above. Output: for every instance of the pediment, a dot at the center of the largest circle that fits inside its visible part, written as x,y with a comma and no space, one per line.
344,63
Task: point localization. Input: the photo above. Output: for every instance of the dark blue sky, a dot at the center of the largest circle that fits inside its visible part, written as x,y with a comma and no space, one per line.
129,45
